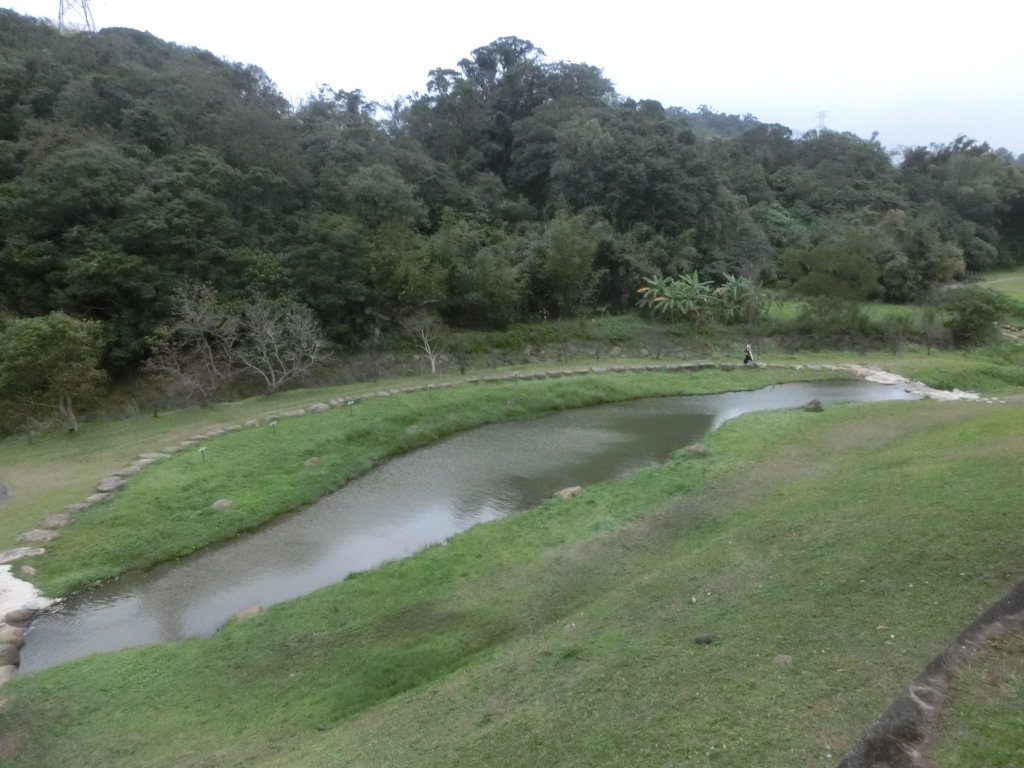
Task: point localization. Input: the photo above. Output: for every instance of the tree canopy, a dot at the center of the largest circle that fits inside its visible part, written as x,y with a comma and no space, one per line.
511,187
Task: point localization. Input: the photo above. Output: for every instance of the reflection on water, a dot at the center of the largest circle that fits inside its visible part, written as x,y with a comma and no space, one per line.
403,505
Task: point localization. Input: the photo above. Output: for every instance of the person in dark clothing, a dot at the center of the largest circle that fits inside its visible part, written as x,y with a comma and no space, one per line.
749,356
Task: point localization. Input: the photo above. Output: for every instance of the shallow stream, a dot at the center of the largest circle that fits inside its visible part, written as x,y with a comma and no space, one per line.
401,506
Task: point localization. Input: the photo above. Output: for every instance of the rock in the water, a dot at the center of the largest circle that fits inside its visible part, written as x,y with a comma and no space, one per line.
568,493
19,616
9,655
726,366
252,610
252,423
27,570
108,484
313,462
814,406
12,636
16,554
96,498
7,674
38,536
318,408
80,507
783,660
697,449
705,639
221,504
56,521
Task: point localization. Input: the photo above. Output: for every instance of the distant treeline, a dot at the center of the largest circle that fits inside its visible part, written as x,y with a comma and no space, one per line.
513,188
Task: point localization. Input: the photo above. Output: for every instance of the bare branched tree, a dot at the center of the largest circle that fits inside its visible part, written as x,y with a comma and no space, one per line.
428,333
280,342
194,355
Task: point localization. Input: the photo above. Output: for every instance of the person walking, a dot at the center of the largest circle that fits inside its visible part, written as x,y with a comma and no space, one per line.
749,356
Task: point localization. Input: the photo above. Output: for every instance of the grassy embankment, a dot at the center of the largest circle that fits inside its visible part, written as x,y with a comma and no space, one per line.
564,635
1010,282
165,511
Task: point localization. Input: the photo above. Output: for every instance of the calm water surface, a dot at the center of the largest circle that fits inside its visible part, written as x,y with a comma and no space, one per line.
402,506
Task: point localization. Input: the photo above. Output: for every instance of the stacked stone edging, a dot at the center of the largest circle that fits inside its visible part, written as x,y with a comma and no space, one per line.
116,480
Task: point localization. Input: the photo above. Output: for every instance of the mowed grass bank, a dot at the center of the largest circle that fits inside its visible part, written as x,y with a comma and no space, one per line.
165,511
858,541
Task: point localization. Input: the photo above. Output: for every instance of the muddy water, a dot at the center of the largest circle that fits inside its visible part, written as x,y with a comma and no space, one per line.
403,505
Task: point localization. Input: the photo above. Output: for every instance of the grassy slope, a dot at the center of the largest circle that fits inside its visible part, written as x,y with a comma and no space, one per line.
564,635
164,512
1010,282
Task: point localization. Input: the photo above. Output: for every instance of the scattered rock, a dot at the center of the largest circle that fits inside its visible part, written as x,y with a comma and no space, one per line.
56,521
80,507
761,365
221,504
568,493
597,369
187,443
12,636
154,456
197,438
636,368
16,554
654,367
318,408
783,660
619,368
96,498
215,432
27,570
19,616
271,419
698,450
252,423
127,471
294,412
171,449
814,406
7,674
38,536
108,484
245,613
313,463
232,427
813,367
705,639
726,366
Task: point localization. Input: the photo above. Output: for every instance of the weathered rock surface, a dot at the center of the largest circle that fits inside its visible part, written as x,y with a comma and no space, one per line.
56,521
10,555
9,655
783,660
170,449
697,450
96,498
215,432
725,365
108,484
187,443
154,456
19,616
127,471
38,536
12,636
294,412
318,408
313,462
814,406
197,438
252,423
80,507
568,493
232,427
221,504
7,674
245,613
705,639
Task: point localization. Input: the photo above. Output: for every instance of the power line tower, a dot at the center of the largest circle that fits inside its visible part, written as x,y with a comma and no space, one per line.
75,16
822,117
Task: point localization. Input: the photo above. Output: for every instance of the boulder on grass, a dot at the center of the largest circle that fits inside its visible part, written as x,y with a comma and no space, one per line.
568,493
221,504
56,521
313,462
698,450
245,613
9,655
12,636
814,406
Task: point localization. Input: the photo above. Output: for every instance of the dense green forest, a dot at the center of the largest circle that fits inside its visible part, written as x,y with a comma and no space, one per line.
513,188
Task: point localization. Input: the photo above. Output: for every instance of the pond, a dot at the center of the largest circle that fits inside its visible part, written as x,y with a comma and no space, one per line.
403,505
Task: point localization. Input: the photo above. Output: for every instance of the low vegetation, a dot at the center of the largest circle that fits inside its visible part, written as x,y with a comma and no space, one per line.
856,542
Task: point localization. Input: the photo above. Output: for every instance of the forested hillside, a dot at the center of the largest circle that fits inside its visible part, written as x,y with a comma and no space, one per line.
514,187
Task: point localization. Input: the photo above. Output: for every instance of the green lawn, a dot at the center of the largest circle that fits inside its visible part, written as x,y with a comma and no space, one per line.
858,541
1009,281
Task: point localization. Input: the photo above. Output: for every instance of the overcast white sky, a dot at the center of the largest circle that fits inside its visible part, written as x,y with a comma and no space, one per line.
917,72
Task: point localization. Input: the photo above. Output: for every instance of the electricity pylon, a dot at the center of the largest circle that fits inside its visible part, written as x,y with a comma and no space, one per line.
75,16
